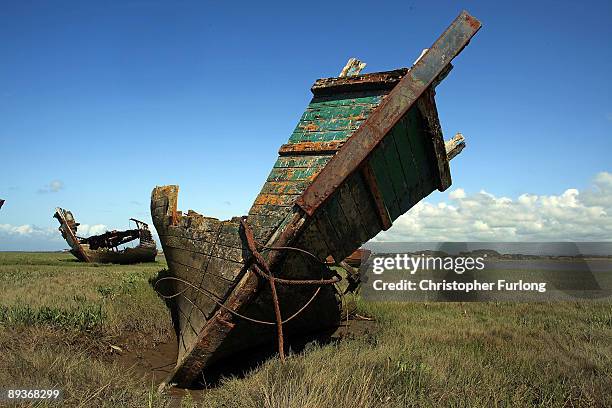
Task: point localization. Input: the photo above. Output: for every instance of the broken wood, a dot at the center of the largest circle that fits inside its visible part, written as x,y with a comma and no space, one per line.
454,146
353,67
104,248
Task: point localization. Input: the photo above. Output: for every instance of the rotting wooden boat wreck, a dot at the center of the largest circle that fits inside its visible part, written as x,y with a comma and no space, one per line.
104,248
367,149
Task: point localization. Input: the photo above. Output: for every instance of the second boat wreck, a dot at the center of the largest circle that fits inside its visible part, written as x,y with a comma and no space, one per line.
367,149
105,248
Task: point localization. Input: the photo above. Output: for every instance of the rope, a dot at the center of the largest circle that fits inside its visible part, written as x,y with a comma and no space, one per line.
221,305
258,264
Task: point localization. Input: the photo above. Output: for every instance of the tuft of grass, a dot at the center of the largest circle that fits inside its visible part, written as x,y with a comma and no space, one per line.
86,317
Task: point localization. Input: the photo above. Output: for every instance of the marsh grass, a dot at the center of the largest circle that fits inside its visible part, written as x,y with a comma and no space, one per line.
58,317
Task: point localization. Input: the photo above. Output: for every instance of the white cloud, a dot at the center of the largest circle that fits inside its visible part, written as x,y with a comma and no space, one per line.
85,230
53,187
27,230
456,194
24,230
571,215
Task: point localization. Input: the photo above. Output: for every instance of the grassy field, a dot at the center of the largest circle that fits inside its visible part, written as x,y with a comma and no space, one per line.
91,330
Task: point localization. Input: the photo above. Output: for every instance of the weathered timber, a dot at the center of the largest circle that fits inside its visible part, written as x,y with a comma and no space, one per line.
352,67
454,146
377,81
105,248
401,98
367,148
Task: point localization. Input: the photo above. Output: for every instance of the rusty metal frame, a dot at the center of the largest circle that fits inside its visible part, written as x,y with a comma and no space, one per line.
405,94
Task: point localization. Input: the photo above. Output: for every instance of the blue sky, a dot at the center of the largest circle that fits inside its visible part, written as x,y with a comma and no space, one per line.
100,103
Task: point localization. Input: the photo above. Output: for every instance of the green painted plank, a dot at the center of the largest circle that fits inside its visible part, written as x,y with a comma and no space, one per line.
365,204
324,125
396,174
302,161
415,127
341,224
269,210
301,136
356,234
319,102
286,174
333,112
402,143
385,184
285,187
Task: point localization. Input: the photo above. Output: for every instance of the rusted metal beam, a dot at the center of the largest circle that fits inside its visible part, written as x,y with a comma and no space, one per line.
394,106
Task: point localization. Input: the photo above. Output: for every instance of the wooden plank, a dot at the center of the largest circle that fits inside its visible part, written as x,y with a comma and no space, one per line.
365,204
312,240
347,99
376,80
191,244
378,165
395,173
377,197
353,111
402,144
324,125
300,136
214,284
417,139
199,234
341,224
328,234
287,174
223,267
269,210
311,148
427,106
276,199
301,161
357,235
284,187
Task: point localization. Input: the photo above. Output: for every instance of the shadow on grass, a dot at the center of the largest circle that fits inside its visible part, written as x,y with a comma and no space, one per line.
239,364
